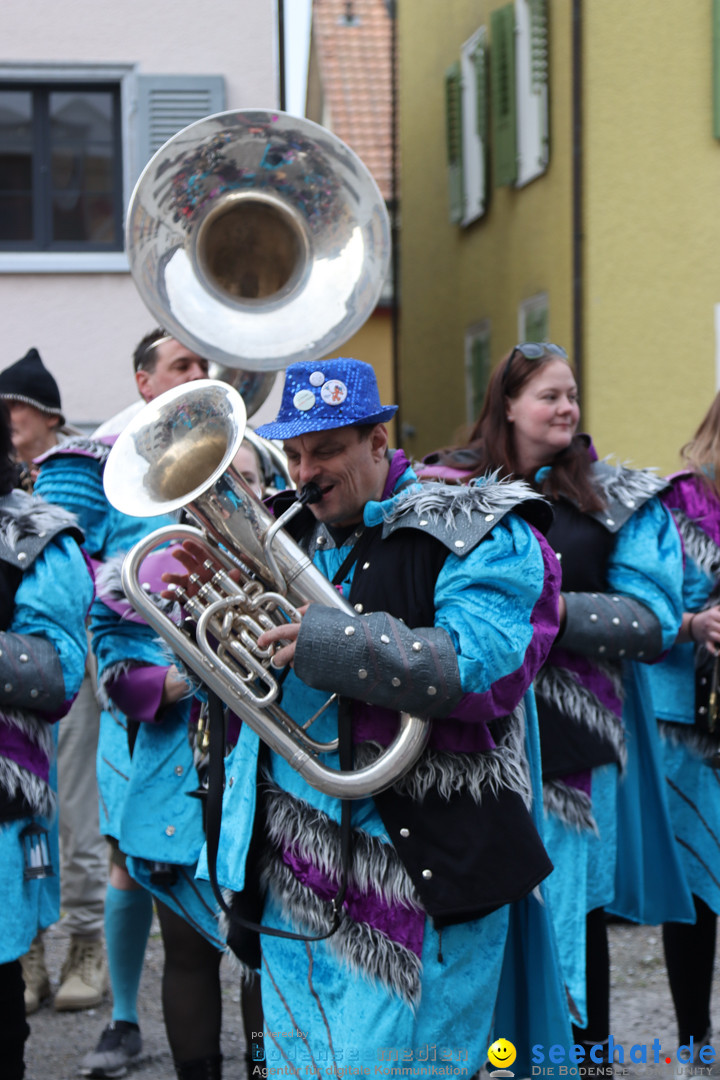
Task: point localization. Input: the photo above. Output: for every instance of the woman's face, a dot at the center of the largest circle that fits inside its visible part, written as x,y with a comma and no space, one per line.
246,464
544,415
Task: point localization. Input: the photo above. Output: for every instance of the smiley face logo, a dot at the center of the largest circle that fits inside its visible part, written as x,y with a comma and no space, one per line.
502,1053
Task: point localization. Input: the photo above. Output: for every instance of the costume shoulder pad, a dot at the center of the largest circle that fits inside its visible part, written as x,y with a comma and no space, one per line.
625,491
78,447
461,516
29,524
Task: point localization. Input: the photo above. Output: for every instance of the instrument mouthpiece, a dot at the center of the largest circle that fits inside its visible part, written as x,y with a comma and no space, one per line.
311,493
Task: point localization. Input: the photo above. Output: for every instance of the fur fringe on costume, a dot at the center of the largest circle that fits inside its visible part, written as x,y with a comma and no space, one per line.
687,735
698,545
80,445
569,805
38,519
447,772
14,779
487,495
559,687
631,487
293,823
365,950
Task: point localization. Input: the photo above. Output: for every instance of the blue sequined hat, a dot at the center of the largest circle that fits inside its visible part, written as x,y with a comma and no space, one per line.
325,394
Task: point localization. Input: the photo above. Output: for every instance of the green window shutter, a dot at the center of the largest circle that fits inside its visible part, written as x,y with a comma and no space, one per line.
481,91
536,324
453,132
504,108
716,68
168,103
538,45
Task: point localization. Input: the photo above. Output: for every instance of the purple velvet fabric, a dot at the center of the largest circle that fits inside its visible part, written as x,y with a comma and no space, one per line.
138,692
151,570
581,781
399,923
694,496
398,464
373,723
16,746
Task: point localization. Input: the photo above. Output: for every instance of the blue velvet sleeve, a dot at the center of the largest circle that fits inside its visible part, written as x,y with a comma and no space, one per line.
499,605
52,601
647,564
118,641
75,483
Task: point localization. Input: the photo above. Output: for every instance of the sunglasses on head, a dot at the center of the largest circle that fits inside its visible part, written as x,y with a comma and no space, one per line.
533,350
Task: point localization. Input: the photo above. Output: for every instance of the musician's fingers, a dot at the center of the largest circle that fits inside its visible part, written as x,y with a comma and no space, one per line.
283,656
288,632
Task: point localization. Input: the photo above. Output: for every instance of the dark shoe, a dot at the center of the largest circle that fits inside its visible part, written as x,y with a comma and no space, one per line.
207,1068
120,1044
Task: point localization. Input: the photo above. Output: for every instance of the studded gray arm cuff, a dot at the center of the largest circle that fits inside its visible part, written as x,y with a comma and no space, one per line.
377,659
610,626
30,674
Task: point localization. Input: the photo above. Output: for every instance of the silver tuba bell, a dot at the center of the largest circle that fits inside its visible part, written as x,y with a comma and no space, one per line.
178,452
258,239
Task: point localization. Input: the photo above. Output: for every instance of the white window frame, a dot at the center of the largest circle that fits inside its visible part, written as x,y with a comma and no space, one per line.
473,159
538,302
531,89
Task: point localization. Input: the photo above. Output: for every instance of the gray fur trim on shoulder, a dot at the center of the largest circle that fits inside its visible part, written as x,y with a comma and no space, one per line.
488,495
687,735
80,445
698,545
365,950
561,688
23,515
36,792
446,772
571,806
625,485
294,823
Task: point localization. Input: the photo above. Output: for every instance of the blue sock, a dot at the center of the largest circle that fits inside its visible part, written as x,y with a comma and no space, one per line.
128,915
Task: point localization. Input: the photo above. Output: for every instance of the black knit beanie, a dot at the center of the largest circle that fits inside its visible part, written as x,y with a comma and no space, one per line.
30,381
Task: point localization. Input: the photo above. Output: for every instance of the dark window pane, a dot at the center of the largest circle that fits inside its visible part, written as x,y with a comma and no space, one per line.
15,171
60,167
91,170
16,217
80,117
15,119
88,218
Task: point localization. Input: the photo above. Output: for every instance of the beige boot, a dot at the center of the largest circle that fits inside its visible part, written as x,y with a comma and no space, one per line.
37,983
84,976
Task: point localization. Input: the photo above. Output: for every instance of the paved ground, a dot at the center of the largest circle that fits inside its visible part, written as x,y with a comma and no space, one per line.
641,1012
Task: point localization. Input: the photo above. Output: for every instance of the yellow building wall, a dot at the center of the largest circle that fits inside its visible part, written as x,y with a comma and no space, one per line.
454,277
652,225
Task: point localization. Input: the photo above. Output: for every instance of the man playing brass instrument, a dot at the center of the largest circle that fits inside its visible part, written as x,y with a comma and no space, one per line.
456,595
